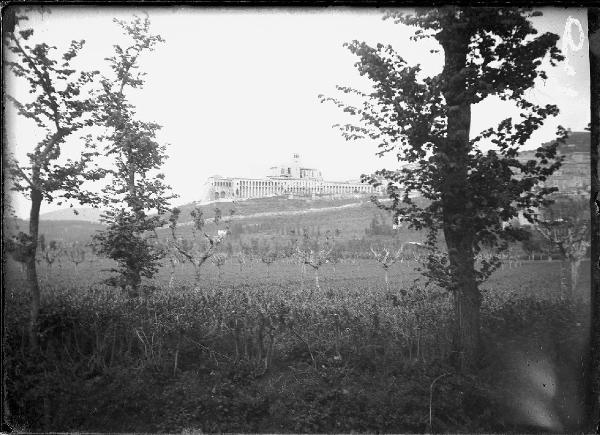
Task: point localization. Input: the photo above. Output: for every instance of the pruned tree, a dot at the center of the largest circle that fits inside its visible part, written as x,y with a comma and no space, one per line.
336,256
175,258
52,251
201,246
566,225
76,254
470,183
386,259
137,188
314,252
268,255
219,260
241,258
413,251
60,105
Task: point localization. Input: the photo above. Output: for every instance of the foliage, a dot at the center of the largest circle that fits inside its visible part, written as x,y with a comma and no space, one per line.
534,243
565,224
108,362
378,227
136,189
59,109
408,115
425,122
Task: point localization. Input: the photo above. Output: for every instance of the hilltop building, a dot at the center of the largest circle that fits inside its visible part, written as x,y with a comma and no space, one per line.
292,180
573,177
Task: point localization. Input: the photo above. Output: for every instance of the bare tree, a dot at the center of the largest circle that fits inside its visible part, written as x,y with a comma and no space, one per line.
335,257
202,245
175,259
219,260
386,259
76,254
241,258
268,255
566,225
314,253
51,252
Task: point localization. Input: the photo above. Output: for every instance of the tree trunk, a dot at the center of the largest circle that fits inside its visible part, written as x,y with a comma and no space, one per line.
197,273
387,281
574,266
172,278
565,288
31,270
457,209
467,301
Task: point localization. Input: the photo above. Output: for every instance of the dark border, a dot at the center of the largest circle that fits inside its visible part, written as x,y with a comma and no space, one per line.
592,365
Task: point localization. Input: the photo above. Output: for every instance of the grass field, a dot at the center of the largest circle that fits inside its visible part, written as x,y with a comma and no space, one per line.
533,278
263,350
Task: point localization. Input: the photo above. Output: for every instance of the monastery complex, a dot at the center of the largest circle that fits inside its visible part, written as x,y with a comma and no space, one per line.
291,180
295,180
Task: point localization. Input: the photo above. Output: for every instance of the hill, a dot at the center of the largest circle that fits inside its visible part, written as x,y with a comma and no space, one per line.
64,231
87,214
578,141
276,204
261,217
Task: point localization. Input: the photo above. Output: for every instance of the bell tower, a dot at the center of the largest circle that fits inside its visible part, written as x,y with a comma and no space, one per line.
295,166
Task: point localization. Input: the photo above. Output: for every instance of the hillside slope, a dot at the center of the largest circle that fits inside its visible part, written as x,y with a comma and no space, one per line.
264,216
87,214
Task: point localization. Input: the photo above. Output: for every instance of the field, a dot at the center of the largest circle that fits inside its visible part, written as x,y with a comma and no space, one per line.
263,350
539,279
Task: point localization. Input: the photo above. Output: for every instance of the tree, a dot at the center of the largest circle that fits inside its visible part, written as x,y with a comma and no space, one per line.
76,254
202,245
314,252
566,225
468,192
219,260
533,244
51,252
335,257
268,255
136,189
386,259
241,259
60,107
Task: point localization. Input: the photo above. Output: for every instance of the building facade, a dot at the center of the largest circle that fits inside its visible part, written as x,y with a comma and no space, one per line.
291,180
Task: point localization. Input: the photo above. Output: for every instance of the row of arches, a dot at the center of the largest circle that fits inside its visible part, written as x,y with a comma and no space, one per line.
262,188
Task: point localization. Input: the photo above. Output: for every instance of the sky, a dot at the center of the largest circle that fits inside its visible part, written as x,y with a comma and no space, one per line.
236,90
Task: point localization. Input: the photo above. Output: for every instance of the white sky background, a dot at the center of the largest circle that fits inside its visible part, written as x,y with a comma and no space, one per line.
236,91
